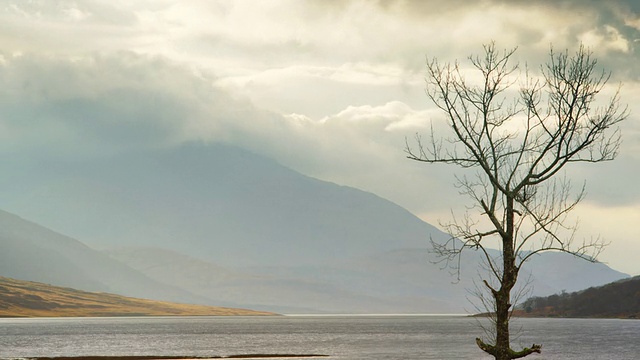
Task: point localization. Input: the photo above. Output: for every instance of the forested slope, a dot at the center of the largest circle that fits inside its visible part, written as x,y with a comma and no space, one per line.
620,299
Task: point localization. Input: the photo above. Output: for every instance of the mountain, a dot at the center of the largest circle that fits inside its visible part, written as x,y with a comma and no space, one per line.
401,280
620,299
32,299
217,225
32,252
216,202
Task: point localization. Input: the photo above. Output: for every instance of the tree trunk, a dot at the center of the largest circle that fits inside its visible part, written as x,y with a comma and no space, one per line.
508,281
503,347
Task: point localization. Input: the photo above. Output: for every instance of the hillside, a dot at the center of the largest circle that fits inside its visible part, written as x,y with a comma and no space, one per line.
32,252
31,299
620,299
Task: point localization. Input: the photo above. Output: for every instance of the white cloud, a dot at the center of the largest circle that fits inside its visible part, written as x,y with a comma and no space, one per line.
605,39
100,104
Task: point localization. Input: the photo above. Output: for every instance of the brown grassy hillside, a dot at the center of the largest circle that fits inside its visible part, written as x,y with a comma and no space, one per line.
31,299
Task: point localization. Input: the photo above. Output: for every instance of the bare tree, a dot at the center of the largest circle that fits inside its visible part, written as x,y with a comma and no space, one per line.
516,132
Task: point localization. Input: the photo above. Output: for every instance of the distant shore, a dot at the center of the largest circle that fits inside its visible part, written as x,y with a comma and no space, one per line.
148,357
554,315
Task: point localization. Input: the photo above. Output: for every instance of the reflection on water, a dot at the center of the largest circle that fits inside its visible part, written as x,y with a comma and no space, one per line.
341,337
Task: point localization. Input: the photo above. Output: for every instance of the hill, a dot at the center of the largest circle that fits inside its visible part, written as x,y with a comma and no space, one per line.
32,252
620,299
32,299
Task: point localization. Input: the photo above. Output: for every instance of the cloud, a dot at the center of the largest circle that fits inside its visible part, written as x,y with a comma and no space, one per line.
97,105
100,104
66,12
106,103
606,39
65,26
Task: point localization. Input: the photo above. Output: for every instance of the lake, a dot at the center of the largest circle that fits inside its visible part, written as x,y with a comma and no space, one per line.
341,337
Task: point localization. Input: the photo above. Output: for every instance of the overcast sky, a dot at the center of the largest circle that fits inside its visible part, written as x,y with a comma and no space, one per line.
330,88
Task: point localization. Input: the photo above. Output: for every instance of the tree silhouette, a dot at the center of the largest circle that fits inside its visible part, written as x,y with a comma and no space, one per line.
517,132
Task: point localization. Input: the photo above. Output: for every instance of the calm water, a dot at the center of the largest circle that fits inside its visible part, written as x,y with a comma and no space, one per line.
341,337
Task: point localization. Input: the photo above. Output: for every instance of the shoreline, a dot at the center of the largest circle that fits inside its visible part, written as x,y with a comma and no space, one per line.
150,357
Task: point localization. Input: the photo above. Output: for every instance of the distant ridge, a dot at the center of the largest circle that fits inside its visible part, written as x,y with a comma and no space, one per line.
35,253
31,299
